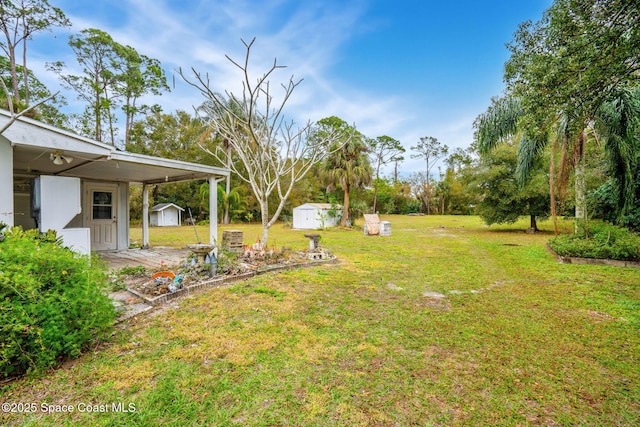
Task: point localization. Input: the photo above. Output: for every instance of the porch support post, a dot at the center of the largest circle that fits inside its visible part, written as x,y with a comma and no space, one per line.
213,211
145,216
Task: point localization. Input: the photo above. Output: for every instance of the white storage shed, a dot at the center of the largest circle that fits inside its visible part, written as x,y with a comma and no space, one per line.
165,215
314,216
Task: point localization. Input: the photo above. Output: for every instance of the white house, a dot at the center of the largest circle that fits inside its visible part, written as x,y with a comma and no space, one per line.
165,215
54,179
314,216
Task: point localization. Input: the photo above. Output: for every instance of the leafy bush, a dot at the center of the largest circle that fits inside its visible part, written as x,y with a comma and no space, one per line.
599,240
52,302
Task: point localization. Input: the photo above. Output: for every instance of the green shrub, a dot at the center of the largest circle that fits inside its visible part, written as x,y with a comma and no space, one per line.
52,302
599,240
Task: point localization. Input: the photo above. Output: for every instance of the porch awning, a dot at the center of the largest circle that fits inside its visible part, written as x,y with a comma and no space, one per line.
139,169
34,143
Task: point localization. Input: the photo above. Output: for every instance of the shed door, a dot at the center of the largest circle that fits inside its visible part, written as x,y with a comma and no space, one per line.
171,217
102,220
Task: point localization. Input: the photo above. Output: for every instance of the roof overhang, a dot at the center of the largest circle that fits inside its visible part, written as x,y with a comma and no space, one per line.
34,142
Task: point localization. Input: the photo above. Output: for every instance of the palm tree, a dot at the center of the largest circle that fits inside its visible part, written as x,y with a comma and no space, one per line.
235,201
348,166
616,124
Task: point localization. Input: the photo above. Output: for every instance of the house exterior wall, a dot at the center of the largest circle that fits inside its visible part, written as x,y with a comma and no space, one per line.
6,182
60,203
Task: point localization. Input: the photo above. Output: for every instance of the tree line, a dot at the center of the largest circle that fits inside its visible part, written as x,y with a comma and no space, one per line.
572,94
569,115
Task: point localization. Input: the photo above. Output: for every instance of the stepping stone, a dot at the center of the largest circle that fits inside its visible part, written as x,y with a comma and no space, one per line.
436,295
394,287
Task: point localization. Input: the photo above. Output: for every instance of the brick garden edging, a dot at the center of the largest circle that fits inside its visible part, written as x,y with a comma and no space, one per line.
594,261
225,280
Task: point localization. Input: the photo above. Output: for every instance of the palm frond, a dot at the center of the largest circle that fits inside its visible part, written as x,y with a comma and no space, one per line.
618,121
498,123
530,150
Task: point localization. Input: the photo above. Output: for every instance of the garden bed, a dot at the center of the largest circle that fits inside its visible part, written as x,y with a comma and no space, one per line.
194,278
594,261
604,243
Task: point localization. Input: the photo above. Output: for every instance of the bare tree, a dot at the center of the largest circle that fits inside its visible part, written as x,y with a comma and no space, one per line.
420,187
19,20
215,113
431,150
15,115
274,152
384,149
396,162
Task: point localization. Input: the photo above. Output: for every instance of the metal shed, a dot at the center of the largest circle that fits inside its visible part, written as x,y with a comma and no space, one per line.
314,216
165,215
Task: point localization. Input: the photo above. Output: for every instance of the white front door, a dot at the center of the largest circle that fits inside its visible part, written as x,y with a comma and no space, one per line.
102,220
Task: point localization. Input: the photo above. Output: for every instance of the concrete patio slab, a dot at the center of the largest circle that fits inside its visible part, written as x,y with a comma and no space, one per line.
152,258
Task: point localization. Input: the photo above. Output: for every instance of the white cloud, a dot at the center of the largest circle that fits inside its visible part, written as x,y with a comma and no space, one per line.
309,37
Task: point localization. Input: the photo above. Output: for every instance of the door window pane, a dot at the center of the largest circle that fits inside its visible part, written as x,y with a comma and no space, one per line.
102,197
102,206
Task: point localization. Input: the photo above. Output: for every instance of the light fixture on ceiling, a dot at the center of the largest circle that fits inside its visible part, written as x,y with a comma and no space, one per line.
58,158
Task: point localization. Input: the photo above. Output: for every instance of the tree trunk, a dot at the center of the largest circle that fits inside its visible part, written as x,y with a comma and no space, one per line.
265,236
25,73
226,219
128,119
14,76
345,207
424,197
580,185
533,225
375,187
375,197
97,112
264,208
552,190
428,190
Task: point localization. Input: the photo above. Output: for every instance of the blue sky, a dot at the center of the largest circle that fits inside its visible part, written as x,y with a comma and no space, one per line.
404,68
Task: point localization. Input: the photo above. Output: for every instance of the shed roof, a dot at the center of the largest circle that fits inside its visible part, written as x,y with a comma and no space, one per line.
163,206
318,206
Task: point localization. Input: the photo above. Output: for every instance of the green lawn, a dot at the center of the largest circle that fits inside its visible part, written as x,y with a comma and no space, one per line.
519,339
